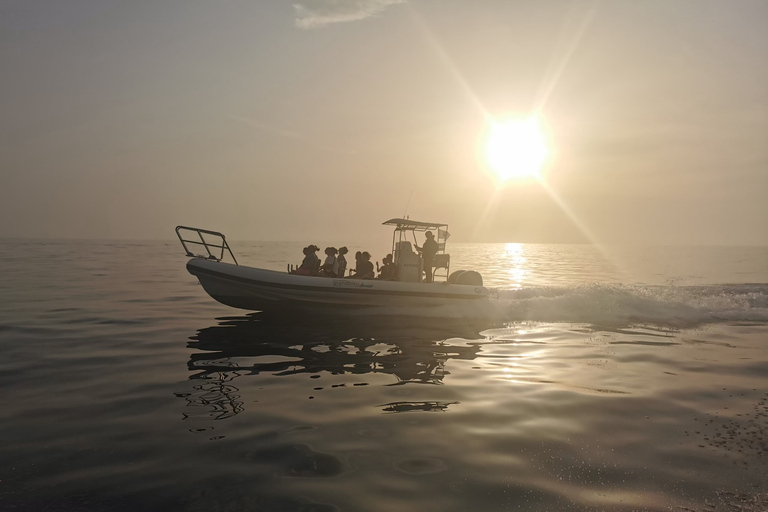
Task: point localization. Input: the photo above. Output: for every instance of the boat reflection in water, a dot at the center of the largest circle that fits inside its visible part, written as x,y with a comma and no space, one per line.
414,351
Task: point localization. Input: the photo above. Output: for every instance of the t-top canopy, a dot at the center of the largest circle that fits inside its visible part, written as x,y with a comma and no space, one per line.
414,224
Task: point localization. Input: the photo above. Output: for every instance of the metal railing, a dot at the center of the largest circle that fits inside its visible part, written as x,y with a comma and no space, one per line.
222,244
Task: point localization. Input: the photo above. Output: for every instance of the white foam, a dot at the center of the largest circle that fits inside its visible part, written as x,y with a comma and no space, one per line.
640,304
611,304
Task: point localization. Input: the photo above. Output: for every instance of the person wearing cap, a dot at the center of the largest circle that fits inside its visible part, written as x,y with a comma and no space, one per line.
311,262
428,251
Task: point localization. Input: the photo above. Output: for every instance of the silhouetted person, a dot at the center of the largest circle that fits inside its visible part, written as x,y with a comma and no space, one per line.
331,266
312,260
364,268
428,251
358,258
310,263
387,271
342,261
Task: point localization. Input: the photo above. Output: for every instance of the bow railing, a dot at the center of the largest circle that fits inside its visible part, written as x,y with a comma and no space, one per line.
219,245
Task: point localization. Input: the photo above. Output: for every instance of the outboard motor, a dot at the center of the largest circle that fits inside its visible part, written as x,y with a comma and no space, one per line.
467,277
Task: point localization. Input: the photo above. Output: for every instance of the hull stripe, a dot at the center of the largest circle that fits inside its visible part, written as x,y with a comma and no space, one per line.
346,290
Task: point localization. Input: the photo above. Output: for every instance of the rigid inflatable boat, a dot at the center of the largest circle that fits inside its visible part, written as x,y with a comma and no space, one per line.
259,289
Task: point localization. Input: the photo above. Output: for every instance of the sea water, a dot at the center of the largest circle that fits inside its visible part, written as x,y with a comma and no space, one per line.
612,378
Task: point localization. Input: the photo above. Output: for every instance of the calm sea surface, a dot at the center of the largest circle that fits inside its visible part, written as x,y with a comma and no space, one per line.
616,379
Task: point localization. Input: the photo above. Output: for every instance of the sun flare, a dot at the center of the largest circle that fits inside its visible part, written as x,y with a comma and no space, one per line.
516,149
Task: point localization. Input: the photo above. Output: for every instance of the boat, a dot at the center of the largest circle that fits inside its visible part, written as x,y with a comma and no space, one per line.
258,289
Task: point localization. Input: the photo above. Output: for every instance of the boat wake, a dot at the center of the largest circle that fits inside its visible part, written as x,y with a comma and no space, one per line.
674,306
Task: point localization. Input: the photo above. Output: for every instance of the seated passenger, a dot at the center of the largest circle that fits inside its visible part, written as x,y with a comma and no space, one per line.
364,268
331,266
342,261
387,271
305,268
310,263
358,259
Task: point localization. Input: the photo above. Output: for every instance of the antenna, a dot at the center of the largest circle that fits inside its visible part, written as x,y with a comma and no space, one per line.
408,203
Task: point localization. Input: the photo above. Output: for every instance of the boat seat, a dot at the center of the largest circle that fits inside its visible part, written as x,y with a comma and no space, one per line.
441,261
404,246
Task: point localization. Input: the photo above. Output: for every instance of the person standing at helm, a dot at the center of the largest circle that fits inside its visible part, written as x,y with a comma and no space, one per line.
428,251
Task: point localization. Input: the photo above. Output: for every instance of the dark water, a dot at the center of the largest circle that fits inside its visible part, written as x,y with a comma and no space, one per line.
128,388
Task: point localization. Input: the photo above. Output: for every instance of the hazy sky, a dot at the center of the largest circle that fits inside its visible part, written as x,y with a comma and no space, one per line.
318,119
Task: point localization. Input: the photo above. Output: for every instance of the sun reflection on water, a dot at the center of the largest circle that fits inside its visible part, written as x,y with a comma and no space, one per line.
516,263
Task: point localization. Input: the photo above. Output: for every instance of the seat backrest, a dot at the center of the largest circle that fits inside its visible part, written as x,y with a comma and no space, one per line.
403,246
441,260
409,265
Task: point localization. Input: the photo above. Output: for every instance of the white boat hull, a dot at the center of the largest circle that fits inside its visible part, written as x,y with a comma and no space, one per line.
259,290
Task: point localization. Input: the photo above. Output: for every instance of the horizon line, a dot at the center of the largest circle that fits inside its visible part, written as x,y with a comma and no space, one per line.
609,244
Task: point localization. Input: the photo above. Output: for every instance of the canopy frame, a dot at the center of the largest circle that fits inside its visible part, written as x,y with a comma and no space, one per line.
404,226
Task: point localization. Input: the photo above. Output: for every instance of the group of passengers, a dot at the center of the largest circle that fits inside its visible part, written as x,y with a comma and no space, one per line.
336,266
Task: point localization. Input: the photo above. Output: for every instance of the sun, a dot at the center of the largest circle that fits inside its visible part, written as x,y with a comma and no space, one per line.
516,149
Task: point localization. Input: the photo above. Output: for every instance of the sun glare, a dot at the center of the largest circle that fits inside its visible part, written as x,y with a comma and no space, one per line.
516,149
